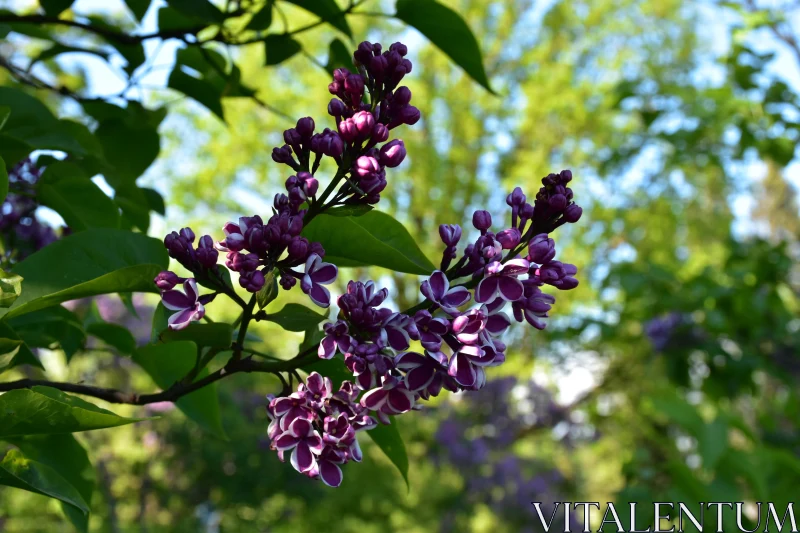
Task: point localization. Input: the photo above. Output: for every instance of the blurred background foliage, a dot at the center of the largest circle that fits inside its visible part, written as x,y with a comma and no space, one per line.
669,374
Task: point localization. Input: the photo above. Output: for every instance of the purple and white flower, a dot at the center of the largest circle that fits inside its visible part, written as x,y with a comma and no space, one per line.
186,303
437,289
316,275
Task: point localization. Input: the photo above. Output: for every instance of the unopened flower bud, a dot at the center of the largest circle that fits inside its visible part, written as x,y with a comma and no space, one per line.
298,248
450,234
541,249
364,122
348,130
393,153
379,133
402,96
207,255
509,238
167,280
336,107
187,234
252,281
573,213
482,220
400,48
305,127
516,198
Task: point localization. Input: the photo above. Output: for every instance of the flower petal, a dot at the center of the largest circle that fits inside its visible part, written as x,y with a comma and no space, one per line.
456,297
330,473
486,290
302,459
510,289
175,300
320,295
326,273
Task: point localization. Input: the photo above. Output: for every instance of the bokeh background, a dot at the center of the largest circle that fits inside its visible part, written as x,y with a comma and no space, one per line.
669,374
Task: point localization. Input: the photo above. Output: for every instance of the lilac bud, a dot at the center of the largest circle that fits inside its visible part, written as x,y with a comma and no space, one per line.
367,166
409,115
305,127
558,202
287,282
364,122
509,238
364,53
292,137
566,176
207,255
393,153
292,182
450,234
541,249
252,281
526,213
400,48
573,212
310,184
378,66
336,107
354,85
187,234
379,133
402,96
316,248
482,220
340,74
348,130
516,198
282,154
298,249
333,145
207,298
242,262
295,225
167,280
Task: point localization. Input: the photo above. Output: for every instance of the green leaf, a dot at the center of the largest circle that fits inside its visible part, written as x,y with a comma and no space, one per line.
5,112
214,335
92,262
374,238
713,442
134,204
339,57
154,200
138,8
168,363
13,350
3,181
198,9
160,317
68,458
170,19
269,291
129,148
34,124
197,89
54,8
263,19
388,439
18,471
10,288
328,11
279,47
76,198
48,411
355,210
296,317
114,335
52,325
447,30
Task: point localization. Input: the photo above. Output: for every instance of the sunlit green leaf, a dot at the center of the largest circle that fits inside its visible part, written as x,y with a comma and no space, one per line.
48,411
373,238
18,471
296,317
447,30
388,439
280,47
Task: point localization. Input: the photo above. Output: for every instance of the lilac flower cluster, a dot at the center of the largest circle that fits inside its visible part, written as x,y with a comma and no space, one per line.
455,343
21,231
318,427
